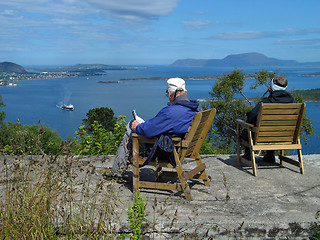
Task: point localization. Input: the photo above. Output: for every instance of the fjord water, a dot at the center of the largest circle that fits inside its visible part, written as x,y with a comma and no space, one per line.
32,101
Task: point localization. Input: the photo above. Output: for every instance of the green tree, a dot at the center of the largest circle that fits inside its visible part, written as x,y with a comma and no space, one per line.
29,139
100,141
228,108
2,113
103,115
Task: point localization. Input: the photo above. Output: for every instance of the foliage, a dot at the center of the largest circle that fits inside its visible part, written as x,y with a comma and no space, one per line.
315,228
228,109
262,78
100,141
104,116
307,128
208,144
34,139
136,215
2,113
309,95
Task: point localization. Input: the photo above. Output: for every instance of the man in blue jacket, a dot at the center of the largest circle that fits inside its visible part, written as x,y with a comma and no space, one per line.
173,119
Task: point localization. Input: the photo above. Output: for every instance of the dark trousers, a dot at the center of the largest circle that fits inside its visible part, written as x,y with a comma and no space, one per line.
244,136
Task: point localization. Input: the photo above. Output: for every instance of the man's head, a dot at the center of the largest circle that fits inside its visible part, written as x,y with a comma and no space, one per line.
279,83
175,87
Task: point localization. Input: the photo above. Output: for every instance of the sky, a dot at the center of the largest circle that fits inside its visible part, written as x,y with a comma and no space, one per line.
140,32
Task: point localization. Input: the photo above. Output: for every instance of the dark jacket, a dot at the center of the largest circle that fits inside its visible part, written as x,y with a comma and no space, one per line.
174,119
274,97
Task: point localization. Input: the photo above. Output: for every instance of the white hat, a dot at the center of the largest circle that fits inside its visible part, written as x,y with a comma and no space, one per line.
174,84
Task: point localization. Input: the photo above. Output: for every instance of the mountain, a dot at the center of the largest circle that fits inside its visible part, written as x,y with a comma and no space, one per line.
10,67
243,60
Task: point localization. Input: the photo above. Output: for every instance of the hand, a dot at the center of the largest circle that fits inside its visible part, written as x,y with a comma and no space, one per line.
134,125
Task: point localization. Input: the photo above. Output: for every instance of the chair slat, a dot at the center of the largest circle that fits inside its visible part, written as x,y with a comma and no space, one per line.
279,123
281,105
277,128
281,111
274,134
279,117
275,139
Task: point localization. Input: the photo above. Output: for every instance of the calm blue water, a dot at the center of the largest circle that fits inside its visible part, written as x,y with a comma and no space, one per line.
35,100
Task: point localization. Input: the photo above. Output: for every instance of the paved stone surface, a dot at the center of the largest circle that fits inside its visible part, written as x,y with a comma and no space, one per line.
280,203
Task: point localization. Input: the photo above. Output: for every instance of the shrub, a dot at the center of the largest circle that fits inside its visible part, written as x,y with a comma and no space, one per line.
99,141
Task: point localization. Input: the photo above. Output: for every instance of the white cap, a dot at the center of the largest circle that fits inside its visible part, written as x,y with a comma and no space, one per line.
174,84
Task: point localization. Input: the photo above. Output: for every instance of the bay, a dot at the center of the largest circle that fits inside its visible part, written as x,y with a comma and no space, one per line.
36,101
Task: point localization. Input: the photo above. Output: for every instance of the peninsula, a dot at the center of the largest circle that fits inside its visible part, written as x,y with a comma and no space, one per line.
12,72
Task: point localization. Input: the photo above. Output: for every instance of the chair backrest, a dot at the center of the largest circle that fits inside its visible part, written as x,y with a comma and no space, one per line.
197,132
279,123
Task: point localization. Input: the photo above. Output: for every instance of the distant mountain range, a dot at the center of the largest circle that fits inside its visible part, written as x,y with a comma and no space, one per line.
243,60
10,67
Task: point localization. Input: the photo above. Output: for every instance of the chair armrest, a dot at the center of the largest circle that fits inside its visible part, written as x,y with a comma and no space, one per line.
176,140
244,123
143,139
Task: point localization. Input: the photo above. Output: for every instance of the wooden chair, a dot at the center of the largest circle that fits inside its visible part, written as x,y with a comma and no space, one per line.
187,147
278,128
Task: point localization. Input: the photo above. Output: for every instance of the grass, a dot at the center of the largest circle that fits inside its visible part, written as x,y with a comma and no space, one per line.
42,199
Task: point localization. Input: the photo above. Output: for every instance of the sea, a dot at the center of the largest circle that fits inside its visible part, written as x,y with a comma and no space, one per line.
39,101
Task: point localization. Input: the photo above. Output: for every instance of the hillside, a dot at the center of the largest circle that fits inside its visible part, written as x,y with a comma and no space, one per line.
243,60
9,67
311,95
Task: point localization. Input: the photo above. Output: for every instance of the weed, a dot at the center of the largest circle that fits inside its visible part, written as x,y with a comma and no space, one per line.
136,215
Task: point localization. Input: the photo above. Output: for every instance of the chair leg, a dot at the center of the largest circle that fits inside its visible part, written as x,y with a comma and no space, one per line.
184,185
203,174
300,161
238,146
239,154
135,164
281,154
254,165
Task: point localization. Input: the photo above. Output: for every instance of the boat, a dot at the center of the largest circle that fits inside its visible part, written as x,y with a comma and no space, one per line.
67,107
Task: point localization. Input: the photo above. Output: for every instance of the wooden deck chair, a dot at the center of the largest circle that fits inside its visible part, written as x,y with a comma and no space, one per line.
278,128
187,147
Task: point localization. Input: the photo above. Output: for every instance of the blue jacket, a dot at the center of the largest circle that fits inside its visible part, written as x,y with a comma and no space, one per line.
173,119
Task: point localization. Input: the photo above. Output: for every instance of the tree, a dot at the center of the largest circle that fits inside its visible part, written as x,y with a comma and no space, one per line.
104,116
2,113
100,141
29,139
228,108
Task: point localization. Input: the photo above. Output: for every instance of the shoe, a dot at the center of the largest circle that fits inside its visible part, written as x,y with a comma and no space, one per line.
269,158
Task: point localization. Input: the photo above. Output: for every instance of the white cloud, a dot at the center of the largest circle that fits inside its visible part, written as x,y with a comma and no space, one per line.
134,11
239,35
315,41
197,24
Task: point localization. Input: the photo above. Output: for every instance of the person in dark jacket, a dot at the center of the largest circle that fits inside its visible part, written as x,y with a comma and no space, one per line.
173,119
277,94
